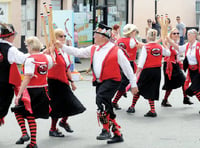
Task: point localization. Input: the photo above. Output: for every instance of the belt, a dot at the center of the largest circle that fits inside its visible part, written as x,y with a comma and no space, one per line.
193,67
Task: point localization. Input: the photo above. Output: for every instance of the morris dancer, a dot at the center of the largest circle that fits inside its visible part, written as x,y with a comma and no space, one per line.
63,102
130,45
9,56
174,77
149,65
35,80
192,63
106,60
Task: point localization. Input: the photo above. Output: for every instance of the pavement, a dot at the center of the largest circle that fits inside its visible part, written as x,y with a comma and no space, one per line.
175,127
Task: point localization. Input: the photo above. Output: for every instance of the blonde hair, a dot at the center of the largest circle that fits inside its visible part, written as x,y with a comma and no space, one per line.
152,34
172,31
58,32
34,43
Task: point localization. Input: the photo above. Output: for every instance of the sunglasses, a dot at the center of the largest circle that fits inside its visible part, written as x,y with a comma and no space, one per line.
61,36
175,33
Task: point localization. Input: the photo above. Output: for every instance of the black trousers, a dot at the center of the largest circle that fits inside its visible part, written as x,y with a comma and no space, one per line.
105,91
6,96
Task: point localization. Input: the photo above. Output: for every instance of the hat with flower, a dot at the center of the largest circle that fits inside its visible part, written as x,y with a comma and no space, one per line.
6,30
103,30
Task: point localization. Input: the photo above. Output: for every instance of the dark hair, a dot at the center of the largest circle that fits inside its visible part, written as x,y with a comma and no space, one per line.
169,20
115,27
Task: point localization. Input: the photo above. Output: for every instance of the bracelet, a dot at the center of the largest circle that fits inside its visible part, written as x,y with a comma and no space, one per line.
70,80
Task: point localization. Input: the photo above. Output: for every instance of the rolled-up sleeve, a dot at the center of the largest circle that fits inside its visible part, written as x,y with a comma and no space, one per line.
126,68
77,52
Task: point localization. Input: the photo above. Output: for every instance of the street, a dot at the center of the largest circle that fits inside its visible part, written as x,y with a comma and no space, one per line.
175,127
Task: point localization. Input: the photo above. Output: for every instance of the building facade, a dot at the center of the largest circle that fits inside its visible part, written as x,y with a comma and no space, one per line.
25,14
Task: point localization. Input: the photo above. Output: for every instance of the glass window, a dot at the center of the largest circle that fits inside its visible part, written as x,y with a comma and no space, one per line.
197,13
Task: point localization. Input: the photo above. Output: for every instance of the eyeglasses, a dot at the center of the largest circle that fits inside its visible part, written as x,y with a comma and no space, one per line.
175,33
61,36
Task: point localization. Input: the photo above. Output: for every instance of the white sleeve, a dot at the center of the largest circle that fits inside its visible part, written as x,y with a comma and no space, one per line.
132,43
50,60
29,66
166,52
126,68
182,48
77,52
16,56
142,58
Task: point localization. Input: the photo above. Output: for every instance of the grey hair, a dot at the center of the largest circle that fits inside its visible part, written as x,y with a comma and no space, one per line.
193,31
152,34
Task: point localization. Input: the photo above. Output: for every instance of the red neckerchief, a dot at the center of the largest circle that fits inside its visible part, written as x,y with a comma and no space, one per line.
100,46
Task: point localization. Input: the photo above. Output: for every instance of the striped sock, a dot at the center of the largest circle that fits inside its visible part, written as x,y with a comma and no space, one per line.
64,120
135,98
198,95
167,93
53,124
152,106
118,96
21,122
184,93
33,129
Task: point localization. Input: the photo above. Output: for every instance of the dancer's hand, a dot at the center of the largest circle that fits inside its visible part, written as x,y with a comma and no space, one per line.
17,99
134,90
73,86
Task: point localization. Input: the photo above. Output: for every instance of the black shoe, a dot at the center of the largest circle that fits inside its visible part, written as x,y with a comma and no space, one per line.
115,139
23,139
186,100
116,106
56,133
131,110
150,114
32,146
104,135
66,127
165,103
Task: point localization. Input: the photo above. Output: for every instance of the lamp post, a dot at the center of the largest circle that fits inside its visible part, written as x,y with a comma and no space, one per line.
156,7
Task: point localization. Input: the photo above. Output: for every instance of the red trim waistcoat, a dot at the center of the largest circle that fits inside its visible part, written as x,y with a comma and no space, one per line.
58,71
125,44
172,58
197,55
110,66
154,55
41,68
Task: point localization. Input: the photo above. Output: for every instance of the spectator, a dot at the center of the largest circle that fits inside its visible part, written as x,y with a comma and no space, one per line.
156,25
181,28
77,60
149,26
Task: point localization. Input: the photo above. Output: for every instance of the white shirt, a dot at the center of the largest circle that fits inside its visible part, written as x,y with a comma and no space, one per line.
143,55
191,53
132,43
29,66
14,55
99,57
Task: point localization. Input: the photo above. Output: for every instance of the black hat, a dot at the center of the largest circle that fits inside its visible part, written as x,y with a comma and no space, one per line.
104,30
6,30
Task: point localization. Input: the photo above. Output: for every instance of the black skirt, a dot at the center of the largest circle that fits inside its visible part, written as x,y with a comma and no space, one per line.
39,104
124,80
195,85
6,96
149,83
177,78
63,101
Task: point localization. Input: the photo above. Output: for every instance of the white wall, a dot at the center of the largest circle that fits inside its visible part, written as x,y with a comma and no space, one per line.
144,9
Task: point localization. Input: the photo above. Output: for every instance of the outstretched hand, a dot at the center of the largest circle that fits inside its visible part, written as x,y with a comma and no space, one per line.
134,90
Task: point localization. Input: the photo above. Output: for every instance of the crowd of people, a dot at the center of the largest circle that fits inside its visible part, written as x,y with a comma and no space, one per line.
47,87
